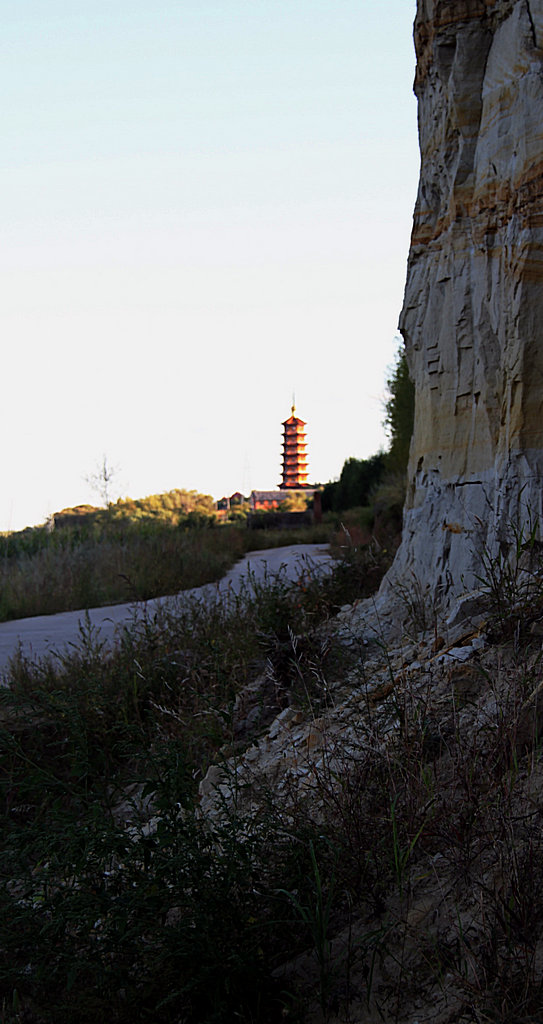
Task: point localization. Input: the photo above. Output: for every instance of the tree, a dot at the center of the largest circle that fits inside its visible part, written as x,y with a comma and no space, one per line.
399,413
101,480
295,502
357,480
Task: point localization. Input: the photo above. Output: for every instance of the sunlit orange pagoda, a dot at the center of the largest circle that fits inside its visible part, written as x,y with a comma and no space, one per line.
294,453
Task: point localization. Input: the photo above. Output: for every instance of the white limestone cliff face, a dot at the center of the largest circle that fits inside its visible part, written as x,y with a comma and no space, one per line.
472,318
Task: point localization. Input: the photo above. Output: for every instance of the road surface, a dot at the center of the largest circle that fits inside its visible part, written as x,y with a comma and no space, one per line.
50,634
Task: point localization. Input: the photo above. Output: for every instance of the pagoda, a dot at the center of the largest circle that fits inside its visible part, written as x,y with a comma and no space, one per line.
294,454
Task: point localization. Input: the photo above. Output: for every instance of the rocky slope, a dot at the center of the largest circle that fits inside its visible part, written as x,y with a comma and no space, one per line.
473,309
418,768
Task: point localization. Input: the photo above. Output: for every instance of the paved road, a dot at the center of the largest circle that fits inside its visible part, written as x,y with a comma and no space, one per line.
47,634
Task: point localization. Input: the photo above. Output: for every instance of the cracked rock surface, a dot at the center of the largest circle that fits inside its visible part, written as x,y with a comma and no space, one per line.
473,308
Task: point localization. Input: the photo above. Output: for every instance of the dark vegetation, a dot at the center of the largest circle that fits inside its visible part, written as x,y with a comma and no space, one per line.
118,902
376,485
399,414
103,560
410,874
357,483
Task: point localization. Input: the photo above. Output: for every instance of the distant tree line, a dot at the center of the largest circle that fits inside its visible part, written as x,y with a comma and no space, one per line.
179,507
173,505
357,480
360,478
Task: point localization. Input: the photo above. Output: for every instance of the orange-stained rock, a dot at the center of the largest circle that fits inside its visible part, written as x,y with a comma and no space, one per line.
472,317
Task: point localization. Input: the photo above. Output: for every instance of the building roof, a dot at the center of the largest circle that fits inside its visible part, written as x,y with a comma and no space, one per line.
268,495
278,495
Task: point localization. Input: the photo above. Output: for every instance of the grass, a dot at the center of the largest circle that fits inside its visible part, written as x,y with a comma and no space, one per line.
390,865
118,901
109,561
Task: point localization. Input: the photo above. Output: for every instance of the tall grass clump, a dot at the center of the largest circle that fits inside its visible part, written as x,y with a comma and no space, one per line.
511,577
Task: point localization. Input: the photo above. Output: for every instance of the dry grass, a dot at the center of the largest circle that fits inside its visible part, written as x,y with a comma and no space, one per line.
372,853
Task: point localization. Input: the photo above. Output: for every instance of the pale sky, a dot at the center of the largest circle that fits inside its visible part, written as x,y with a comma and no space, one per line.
205,207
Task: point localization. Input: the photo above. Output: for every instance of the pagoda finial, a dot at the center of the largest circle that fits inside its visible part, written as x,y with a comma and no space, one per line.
293,407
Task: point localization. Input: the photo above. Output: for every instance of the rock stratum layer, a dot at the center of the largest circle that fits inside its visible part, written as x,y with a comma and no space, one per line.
472,318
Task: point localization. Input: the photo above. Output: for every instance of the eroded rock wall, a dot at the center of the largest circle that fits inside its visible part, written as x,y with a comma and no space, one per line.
473,310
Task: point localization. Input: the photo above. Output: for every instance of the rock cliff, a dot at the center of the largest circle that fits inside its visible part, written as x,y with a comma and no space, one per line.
472,318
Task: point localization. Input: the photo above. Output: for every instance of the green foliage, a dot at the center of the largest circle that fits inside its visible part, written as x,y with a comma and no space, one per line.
72,569
399,413
172,506
357,480
295,503
314,913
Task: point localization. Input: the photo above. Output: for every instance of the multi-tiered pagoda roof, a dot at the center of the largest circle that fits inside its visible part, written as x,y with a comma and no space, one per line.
294,453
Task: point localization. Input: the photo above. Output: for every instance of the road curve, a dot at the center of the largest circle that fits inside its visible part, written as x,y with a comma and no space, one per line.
51,634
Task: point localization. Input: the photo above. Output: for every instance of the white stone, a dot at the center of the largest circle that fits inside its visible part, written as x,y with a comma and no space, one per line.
473,308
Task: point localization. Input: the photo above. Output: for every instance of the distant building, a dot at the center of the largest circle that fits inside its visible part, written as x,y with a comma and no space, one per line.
225,504
294,453
294,484
270,501
266,501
